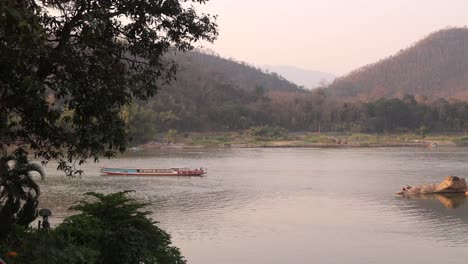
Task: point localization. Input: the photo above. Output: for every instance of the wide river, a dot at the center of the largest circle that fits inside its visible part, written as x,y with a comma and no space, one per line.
292,205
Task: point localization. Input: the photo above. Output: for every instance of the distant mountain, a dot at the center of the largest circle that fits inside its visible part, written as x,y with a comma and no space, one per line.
434,67
307,78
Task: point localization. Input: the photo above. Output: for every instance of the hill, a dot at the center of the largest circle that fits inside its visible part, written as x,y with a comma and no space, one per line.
307,78
216,94
210,93
204,70
435,67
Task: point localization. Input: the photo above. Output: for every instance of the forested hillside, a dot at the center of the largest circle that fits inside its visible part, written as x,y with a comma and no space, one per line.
206,70
210,93
435,67
216,94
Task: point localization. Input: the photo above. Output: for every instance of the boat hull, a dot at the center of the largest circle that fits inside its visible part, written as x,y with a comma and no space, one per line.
152,172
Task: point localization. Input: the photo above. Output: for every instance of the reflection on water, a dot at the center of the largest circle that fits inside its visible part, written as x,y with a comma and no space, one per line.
443,218
293,205
450,201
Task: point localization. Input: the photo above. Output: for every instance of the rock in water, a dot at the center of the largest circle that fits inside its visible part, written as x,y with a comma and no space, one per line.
452,184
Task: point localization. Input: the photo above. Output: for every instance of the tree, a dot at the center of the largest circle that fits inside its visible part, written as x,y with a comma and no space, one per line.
171,135
319,100
110,228
140,123
120,231
68,68
19,192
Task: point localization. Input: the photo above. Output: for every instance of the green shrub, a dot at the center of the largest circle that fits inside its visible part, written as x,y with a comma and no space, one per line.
111,229
462,141
362,138
223,138
267,132
171,135
318,139
423,130
120,231
40,247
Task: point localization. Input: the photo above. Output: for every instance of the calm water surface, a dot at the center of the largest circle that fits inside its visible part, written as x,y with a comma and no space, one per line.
293,205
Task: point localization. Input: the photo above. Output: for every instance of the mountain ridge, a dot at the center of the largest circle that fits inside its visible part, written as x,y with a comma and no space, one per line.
434,67
209,67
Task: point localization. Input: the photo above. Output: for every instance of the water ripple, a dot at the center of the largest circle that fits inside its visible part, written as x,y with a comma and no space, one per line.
291,205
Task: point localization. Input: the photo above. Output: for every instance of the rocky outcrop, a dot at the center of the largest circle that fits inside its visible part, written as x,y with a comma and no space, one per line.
451,184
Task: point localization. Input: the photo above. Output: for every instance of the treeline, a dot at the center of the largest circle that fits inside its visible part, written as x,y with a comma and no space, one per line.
228,109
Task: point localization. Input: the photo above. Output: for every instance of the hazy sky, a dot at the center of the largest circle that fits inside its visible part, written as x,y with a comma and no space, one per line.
334,36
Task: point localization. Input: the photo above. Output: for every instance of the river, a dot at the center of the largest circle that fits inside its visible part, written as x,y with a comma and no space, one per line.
291,205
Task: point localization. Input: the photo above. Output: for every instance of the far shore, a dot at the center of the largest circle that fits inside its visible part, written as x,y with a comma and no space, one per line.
302,140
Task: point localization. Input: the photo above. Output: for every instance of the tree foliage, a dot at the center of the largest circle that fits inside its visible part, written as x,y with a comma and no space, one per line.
68,68
110,228
310,111
140,123
267,132
19,193
120,231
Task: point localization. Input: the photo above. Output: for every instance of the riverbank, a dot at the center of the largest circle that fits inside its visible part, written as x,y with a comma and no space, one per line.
303,140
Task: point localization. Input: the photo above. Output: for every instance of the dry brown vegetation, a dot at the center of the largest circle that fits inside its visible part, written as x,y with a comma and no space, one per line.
435,67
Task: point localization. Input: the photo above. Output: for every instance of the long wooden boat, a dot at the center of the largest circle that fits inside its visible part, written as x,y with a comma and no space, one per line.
153,172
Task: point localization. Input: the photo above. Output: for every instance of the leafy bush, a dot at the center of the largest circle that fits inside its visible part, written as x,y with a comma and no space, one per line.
39,246
117,228
362,138
112,229
171,135
318,139
267,131
462,141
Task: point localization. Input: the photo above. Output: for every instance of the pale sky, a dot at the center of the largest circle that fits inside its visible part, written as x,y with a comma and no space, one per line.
333,36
